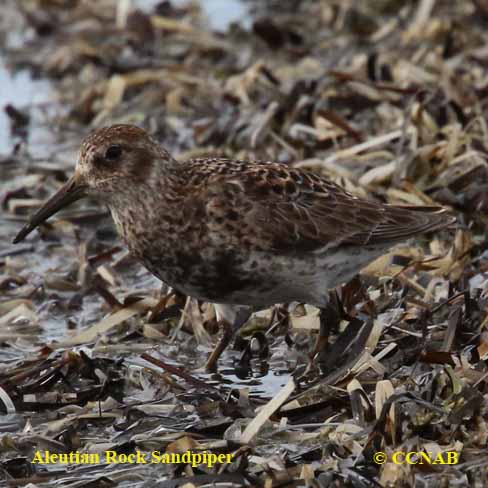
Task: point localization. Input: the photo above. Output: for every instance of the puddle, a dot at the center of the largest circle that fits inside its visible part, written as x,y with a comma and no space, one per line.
219,13
261,379
22,91
222,13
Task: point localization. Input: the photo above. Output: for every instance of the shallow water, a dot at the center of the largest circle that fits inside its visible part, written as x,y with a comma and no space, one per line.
219,13
259,378
20,90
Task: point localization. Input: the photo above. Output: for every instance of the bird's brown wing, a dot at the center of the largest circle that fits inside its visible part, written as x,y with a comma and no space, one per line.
285,210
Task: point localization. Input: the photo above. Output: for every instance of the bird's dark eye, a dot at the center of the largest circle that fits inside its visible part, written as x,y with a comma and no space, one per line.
113,153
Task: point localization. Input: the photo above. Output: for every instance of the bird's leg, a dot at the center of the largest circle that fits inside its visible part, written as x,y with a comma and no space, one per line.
280,317
330,317
220,347
232,318
164,295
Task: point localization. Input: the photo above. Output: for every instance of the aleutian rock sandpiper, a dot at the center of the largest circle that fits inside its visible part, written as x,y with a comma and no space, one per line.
244,235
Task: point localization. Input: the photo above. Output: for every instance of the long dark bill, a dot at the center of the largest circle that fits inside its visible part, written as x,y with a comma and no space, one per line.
71,191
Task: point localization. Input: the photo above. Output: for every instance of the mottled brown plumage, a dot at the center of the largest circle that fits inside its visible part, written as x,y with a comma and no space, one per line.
241,234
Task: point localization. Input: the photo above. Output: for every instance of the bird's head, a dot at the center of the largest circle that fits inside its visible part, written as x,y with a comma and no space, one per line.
114,163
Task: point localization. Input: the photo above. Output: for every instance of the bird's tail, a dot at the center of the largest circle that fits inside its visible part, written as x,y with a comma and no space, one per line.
402,222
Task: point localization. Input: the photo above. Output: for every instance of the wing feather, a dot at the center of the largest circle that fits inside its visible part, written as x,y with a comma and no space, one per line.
272,207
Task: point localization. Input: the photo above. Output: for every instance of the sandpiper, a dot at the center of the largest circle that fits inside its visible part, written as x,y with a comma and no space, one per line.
244,235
